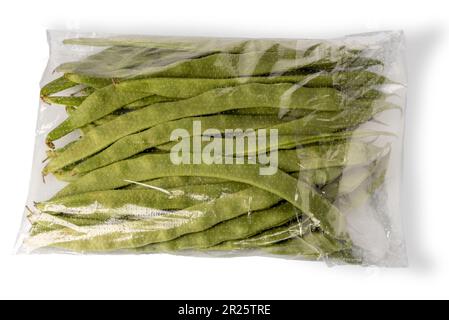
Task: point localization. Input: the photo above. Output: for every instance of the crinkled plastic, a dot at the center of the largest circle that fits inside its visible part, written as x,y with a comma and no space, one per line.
222,147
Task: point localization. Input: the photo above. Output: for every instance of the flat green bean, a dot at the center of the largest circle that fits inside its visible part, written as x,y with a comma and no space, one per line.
314,245
268,237
294,132
319,177
129,63
160,134
241,227
173,182
136,203
134,234
281,184
65,101
276,59
214,101
57,85
106,100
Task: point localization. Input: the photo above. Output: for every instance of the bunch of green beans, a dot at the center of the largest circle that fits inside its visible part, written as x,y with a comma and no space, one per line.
123,193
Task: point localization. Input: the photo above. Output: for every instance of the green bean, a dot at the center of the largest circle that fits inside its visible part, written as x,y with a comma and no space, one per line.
111,61
147,101
292,141
55,86
324,157
174,45
90,81
281,113
83,204
318,177
85,129
296,247
314,245
264,111
238,228
214,101
86,91
306,125
293,132
281,184
293,229
76,221
160,134
293,114
315,157
309,126
173,182
65,175
308,158
53,153
134,234
76,101
139,103
243,226
136,203
113,97
211,45
40,227
265,238
43,223
354,80
66,101
222,65
131,62
119,99
247,151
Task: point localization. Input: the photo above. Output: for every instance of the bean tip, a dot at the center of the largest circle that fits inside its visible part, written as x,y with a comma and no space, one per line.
50,144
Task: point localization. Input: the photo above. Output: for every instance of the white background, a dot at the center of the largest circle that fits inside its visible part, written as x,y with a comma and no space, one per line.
23,56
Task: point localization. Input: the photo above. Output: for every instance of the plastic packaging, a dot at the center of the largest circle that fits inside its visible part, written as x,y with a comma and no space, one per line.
223,147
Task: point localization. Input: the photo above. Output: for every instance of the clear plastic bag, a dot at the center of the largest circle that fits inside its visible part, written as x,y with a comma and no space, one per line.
223,147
